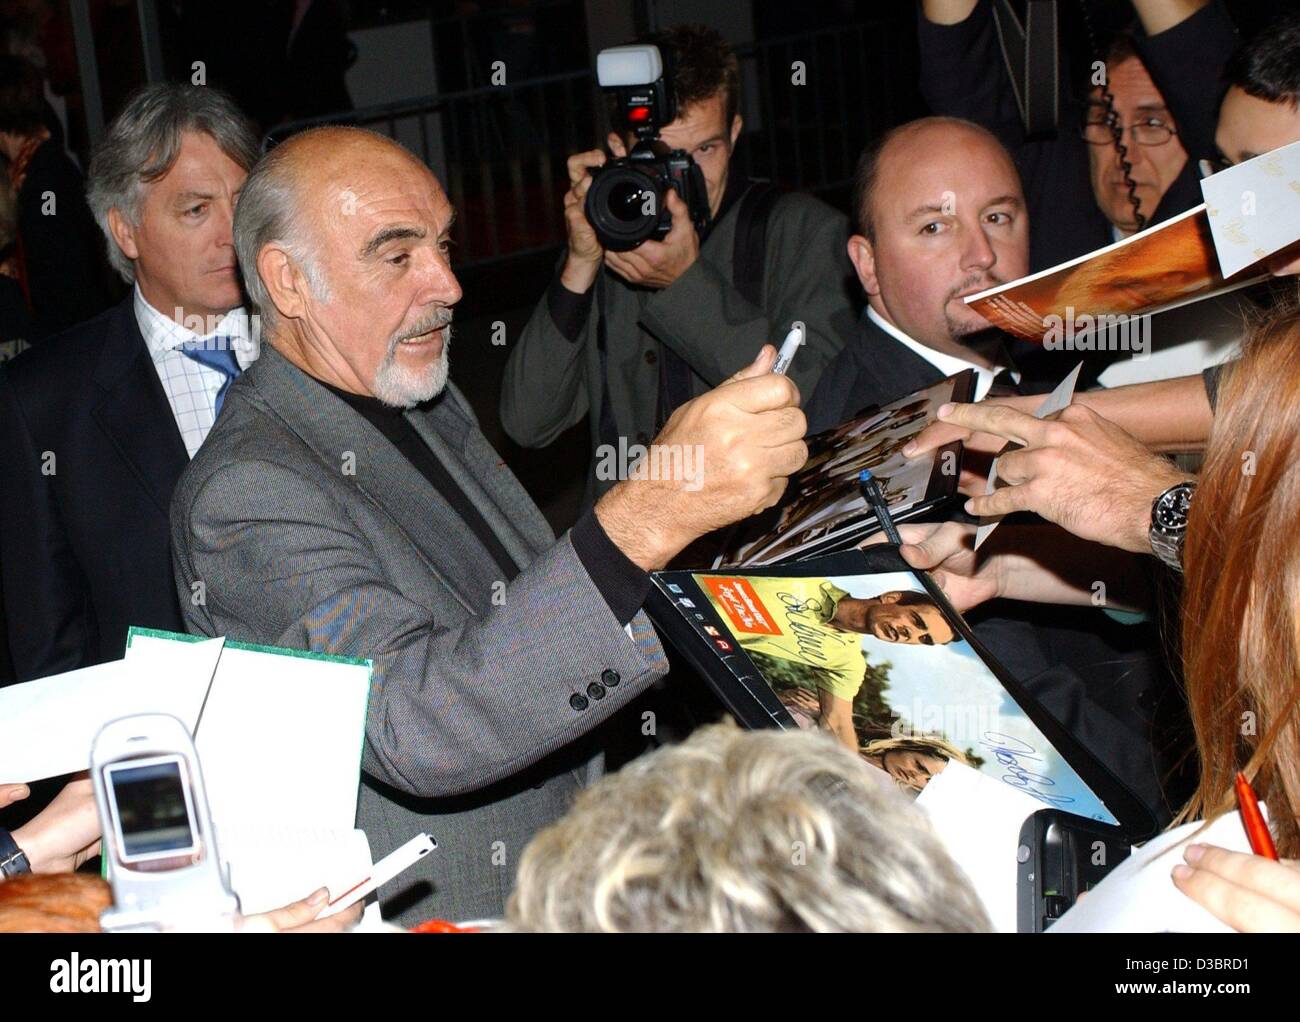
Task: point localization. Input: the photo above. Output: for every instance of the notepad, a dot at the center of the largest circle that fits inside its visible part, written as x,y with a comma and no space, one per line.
283,722
1139,896
279,735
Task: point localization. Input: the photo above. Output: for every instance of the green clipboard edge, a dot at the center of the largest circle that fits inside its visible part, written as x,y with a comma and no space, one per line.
306,654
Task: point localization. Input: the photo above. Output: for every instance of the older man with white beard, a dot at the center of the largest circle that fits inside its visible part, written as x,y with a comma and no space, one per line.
347,502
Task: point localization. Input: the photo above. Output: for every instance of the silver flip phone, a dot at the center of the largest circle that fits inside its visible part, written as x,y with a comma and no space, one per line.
160,850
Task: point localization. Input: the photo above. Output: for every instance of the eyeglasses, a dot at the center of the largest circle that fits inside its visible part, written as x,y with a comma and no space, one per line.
1098,128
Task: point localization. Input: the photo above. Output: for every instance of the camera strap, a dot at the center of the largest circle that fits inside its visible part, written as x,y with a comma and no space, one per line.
748,261
1030,52
749,252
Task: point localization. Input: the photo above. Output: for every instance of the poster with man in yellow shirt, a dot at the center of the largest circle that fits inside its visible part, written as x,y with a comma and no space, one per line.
813,623
872,658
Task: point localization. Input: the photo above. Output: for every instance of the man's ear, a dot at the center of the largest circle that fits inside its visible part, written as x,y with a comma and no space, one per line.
737,122
123,234
283,281
891,597
862,254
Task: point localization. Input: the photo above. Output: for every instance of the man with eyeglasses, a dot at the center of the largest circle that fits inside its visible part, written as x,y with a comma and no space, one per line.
1163,79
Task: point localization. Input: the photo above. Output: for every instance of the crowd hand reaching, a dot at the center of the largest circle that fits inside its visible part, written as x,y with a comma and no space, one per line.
65,833
978,449
742,440
947,552
11,793
1080,471
300,917
1248,892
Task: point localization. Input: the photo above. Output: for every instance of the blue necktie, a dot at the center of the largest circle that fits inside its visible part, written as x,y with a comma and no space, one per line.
216,353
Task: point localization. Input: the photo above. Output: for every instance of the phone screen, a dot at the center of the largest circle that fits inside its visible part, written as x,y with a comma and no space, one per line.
153,811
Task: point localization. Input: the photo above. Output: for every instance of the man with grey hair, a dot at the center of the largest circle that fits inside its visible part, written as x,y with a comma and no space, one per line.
743,832
100,420
347,502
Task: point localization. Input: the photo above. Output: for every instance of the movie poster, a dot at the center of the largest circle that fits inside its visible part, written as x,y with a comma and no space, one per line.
873,660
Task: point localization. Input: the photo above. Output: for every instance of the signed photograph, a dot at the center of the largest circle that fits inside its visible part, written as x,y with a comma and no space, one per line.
823,507
874,661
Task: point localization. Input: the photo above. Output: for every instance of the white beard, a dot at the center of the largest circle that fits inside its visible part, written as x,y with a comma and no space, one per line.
402,387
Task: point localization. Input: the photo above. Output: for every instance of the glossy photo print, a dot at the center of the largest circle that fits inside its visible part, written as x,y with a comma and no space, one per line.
823,507
876,662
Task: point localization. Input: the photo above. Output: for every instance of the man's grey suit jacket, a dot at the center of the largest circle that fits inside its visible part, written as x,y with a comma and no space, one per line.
307,528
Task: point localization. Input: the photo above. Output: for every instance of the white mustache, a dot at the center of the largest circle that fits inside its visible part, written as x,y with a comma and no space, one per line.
437,321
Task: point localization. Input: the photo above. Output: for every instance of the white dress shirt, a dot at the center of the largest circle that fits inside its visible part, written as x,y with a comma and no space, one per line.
947,364
190,386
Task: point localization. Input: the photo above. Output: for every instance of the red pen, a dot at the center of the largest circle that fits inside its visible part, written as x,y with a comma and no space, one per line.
1261,841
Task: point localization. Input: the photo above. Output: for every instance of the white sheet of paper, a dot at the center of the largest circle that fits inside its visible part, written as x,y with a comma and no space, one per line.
1254,208
1056,400
289,728
47,725
271,868
1139,895
978,819
279,740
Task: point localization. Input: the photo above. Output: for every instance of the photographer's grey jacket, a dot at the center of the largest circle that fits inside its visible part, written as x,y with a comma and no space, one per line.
553,376
309,529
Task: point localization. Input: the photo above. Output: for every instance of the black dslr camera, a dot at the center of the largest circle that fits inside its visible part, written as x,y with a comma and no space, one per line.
626,203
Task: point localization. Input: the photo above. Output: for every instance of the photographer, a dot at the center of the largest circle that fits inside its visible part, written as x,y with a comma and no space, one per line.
626,337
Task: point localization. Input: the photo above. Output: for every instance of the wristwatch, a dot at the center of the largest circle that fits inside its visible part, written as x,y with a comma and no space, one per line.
13,860
1169,523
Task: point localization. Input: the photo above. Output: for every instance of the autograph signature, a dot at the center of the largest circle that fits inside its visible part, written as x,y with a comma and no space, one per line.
1011,754
809,635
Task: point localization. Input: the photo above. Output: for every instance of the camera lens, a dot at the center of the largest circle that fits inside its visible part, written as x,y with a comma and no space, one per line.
623,206
625,200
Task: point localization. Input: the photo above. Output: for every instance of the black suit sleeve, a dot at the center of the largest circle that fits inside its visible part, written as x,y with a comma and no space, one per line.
1186,62
61,248
962,74
622,584
1214,377
45,594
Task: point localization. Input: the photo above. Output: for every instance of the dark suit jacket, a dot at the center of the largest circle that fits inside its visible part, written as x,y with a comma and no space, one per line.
871,369
1099,678
62,252
89,457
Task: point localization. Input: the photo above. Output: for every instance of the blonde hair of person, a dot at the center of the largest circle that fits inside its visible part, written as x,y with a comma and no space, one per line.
732,831
929,745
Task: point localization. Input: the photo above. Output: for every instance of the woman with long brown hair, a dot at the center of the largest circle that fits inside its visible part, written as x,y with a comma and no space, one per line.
1241,627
